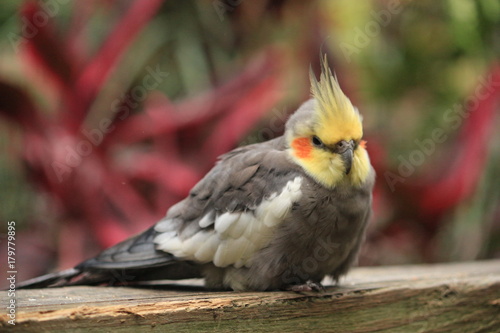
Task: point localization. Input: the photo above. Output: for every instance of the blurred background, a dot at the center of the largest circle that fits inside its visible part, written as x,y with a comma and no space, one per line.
110,111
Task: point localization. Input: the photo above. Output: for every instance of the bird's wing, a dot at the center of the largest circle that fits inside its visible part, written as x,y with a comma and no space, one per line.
228,215
232,212
136,252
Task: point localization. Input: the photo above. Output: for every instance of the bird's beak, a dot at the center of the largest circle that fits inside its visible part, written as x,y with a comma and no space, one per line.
345,150
347,159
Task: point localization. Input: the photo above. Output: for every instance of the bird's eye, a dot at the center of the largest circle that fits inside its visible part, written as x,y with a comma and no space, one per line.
317,142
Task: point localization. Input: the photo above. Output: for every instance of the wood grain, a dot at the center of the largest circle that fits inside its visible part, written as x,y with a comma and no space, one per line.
459,297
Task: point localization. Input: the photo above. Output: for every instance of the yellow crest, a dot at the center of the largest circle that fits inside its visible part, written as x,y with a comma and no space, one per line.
338,119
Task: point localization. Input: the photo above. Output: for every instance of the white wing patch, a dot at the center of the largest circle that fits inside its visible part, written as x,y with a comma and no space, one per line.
236,235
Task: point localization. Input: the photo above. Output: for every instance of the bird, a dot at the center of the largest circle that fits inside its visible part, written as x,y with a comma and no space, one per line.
276,215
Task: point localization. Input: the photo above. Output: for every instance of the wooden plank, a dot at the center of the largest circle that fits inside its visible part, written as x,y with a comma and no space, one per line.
460,297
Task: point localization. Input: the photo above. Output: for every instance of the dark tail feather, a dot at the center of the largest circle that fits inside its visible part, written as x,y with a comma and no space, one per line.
119,277
49,280
133,260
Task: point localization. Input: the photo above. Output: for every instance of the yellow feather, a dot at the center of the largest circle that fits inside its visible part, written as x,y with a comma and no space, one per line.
338,119
328,169
360,166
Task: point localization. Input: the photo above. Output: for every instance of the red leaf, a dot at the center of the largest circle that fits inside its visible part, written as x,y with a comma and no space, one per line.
162,117
243,117
171,174
44,47
97,71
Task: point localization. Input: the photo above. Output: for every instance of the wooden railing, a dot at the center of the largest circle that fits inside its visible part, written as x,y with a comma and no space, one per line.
459,297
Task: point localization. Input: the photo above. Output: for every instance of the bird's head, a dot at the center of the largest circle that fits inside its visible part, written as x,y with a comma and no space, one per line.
324,135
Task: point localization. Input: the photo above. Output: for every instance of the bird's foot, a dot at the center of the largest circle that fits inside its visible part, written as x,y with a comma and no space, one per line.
308,286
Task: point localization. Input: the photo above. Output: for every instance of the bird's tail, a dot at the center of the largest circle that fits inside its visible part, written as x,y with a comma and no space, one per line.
57,279
133,260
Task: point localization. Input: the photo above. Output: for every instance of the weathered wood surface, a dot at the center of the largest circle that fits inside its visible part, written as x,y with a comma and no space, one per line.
462,297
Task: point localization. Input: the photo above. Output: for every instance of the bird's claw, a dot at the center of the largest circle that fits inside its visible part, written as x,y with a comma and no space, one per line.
308,286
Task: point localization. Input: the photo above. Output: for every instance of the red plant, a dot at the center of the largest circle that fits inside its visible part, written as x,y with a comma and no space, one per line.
120,177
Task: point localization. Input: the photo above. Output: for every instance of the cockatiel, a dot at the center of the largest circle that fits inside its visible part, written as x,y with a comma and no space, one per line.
277,215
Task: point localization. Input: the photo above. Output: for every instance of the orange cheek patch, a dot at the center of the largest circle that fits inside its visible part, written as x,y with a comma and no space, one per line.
362,144
302,147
